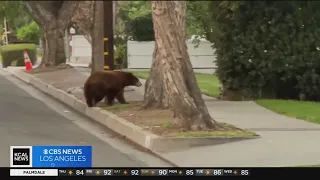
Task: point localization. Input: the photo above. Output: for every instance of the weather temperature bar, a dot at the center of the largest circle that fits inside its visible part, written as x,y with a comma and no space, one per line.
152,172
102,172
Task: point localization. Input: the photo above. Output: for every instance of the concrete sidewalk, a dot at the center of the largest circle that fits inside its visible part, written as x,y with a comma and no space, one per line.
284,142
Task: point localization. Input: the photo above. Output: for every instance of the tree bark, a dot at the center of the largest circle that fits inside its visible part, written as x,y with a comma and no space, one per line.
97,61
54,52
172,83
83,17
53,17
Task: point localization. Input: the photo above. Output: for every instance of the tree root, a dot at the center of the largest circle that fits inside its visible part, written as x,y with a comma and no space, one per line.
64,66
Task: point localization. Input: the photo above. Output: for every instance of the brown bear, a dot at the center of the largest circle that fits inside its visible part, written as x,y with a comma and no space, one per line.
108,84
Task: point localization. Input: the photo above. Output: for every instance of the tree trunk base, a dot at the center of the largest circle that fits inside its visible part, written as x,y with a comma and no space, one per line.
195,120
204,127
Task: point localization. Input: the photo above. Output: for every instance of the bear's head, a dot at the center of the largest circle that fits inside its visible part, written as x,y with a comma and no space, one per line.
133,80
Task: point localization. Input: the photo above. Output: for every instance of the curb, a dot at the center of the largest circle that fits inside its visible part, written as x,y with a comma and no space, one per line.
154,143
117,124
130,131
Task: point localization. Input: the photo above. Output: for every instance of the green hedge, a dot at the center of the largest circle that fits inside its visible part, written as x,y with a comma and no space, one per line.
12,54
268,49
142,28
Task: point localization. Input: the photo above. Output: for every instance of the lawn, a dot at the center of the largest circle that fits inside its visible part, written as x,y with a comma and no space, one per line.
305,110
208,83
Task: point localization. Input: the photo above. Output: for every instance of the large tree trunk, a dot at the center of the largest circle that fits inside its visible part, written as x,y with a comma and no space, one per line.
54,52
172,83
53,17
97,38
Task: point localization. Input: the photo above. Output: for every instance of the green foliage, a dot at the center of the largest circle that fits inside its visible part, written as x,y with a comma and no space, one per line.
134,23
137,9
198,17
13,53
120,55
268,48
136,20
30,32
142,28
15,13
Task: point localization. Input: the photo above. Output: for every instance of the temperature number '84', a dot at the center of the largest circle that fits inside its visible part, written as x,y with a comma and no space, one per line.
80,172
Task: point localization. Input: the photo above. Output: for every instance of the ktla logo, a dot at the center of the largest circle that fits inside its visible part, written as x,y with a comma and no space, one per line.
20,156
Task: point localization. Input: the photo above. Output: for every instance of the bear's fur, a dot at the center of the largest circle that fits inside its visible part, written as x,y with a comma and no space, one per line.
108,85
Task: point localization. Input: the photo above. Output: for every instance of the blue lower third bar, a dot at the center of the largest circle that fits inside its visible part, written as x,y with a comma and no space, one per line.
62,156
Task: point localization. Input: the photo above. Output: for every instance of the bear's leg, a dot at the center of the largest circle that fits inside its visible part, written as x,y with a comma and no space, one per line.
109,98
106,101
92,102
120,97
97,99
89,102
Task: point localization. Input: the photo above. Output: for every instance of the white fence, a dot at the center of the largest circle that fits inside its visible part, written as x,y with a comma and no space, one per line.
80,47
202,58
139,54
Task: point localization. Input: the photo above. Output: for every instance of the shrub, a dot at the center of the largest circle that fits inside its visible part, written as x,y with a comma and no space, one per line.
135,21
120,53
142,28
13,53
268,48
30,32
121,56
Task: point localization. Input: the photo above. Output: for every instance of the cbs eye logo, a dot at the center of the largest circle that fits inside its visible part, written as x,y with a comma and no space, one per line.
45,151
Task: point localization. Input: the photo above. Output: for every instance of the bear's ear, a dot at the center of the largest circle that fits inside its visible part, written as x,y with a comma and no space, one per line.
128,74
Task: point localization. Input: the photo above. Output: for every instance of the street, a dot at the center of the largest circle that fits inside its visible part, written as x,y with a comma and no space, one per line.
29,117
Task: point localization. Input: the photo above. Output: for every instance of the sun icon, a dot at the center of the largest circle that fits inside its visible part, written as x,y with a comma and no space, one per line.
70,172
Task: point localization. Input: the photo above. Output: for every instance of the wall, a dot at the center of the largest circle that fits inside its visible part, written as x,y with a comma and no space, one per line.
80,46
140,56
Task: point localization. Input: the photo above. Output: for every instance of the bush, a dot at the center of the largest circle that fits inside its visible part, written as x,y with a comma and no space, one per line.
121,56
120,53
30,32
268,49
142,28
13,53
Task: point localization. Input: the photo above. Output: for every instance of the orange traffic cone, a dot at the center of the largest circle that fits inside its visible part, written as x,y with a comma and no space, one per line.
27,61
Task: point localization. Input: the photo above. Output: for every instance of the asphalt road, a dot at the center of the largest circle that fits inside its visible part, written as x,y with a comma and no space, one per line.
29,117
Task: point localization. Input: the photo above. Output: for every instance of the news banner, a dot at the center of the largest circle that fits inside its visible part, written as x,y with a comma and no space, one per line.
76,161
